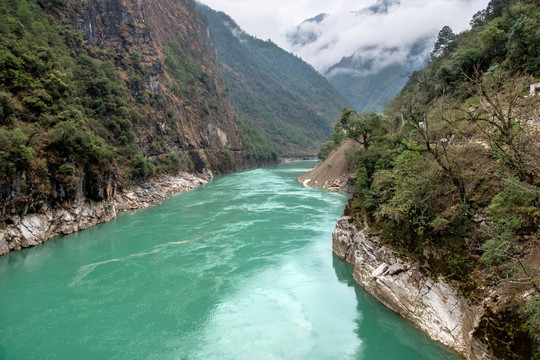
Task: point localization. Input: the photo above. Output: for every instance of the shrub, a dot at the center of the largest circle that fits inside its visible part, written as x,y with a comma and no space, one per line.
517,206
15,156
500,247
142,168
326,149
7,109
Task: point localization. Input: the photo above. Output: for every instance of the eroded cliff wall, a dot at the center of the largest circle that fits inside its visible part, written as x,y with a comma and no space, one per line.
431,304
164,49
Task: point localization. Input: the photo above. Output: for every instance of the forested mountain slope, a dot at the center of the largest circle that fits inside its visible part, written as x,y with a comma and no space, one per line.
450,174
367,90
102,93
278,93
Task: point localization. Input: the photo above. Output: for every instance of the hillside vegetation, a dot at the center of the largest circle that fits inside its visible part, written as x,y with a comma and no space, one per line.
61,112
286,100
103,93
451,171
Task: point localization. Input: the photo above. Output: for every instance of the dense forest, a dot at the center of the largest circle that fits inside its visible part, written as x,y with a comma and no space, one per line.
451,171
290,105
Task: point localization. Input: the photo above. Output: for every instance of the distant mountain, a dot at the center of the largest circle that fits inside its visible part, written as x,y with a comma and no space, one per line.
276,92
371,91
380,7
301,38
368,88
370,75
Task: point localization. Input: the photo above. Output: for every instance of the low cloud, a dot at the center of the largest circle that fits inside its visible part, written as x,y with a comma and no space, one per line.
369,60
236,32
361,29
382,34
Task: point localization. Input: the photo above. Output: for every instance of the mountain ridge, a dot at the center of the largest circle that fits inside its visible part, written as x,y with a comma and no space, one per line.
275,91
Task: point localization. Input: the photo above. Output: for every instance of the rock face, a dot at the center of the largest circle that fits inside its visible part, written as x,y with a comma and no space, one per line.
34,229
433,305
167,45
30,230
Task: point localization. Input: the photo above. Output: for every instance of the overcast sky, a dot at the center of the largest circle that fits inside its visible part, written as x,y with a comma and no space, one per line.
344,31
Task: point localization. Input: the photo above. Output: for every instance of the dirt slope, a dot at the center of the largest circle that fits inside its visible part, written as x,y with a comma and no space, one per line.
334,172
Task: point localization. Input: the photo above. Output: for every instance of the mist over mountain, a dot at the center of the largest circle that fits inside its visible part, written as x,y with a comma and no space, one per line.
374,75
380,7
368,53
304,34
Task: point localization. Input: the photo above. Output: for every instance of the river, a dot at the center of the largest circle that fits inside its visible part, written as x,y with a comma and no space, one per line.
240,268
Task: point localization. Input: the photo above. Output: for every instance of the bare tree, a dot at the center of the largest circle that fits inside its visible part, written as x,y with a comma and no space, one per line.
414,110
508,120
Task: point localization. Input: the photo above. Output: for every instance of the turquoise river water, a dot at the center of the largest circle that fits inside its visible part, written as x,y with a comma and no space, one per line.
240,268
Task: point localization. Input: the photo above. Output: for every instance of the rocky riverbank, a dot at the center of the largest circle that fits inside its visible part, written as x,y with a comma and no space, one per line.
157,190
431,304
29,230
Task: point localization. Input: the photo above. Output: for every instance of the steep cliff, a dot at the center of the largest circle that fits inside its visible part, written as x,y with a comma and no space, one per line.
430,303
98,96
165,51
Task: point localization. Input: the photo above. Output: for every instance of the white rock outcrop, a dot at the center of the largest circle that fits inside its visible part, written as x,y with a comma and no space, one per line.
433,305
33,229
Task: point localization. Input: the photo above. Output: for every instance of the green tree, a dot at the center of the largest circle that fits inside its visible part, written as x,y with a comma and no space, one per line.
326,149
142,168
15,154
71,141
7,108
360,128
444,39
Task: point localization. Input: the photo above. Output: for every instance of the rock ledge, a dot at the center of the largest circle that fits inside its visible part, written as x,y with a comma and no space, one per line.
433,305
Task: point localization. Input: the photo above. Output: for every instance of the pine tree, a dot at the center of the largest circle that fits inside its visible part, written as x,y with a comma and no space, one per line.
445,37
